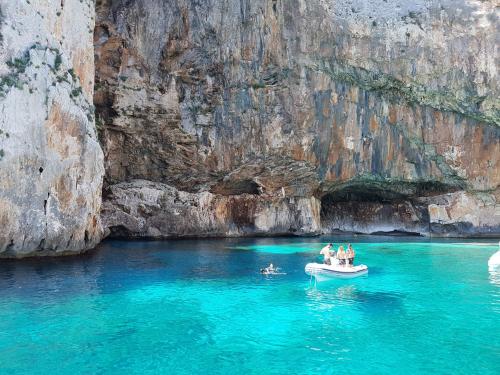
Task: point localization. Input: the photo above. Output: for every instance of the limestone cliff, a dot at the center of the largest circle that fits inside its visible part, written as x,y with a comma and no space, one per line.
380,109
51,164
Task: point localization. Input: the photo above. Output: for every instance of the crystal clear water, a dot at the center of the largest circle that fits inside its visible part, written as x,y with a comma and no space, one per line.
185,307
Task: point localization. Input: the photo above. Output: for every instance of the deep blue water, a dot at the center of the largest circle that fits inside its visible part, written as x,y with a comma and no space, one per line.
184,307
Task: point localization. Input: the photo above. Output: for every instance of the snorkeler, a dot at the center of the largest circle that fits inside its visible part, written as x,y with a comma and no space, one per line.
268,270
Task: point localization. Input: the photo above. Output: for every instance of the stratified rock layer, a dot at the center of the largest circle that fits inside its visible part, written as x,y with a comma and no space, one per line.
391,99
51,164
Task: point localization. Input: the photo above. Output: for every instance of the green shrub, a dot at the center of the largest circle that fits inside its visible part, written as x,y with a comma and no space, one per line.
57,61
76,92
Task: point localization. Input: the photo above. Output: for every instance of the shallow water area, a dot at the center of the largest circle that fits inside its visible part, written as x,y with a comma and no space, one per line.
201,306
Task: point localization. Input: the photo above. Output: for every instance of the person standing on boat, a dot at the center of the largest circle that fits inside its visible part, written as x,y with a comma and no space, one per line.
341,255
326,254
350,254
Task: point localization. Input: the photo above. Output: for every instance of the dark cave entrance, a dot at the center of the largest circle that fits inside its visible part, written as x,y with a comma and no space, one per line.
236,187
385,208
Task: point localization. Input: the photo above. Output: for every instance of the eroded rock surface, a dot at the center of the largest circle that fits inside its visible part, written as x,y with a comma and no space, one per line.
51,164
155,210
466,213
316,98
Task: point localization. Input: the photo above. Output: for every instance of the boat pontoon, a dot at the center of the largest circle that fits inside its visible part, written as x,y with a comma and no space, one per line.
325,271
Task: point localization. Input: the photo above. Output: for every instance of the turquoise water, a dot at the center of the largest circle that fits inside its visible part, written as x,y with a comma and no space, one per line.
185,307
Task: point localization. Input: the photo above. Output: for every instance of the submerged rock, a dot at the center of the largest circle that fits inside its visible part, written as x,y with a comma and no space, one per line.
390,100
51,164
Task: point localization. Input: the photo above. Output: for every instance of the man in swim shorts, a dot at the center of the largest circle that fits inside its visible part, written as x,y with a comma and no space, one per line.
350,254
341,255
326,254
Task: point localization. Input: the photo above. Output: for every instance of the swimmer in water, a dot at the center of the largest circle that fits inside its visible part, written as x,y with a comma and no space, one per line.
268,270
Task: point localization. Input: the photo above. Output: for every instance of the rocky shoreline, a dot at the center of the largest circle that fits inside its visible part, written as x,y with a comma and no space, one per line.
142,209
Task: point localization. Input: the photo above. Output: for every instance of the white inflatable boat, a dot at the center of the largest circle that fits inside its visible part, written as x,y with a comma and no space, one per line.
324,271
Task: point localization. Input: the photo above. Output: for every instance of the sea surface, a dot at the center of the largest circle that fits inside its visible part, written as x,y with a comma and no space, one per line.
202,307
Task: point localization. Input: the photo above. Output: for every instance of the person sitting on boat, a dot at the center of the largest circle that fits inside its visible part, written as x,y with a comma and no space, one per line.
341,255
350,254
326,254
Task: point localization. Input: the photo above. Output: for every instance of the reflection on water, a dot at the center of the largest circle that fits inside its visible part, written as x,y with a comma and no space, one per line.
494,270
368,302
495,276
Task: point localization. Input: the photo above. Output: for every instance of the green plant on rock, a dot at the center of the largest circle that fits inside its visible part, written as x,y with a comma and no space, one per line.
72,74
258,85
76,92
99,124
411,92
19,64
17,67
58,61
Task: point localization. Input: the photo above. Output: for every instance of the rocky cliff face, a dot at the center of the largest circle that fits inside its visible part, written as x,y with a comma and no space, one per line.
51,164
385,111
360,105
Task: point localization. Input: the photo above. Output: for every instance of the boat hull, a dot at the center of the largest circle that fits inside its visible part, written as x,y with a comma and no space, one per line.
325,272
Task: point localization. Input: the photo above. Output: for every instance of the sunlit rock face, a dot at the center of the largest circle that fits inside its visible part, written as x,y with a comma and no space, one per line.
51,164
466,213
392,102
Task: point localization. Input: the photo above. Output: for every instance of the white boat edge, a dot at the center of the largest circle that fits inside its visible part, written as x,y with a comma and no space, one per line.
326,272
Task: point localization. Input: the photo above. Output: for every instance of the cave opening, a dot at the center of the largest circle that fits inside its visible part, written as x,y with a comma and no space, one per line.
119,232
236,187
384,208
